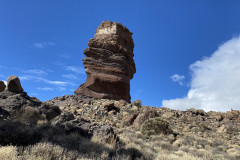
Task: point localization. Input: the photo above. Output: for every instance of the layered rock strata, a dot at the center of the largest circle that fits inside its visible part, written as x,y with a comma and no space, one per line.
109,63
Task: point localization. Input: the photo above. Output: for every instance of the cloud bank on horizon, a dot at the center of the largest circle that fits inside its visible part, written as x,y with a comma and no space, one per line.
215,83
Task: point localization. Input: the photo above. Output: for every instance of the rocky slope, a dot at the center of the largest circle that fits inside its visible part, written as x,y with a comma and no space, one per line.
110,129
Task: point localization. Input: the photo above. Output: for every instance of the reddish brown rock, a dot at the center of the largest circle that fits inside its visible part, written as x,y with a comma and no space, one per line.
141,118
233,114
2,86
109,63
130,119
109,106
122,103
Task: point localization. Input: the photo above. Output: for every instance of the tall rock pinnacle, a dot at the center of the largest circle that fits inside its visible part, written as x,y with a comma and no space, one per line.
109,63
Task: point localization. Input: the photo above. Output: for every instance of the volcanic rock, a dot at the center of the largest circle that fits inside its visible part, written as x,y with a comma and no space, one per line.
141,118
2,86
109,63
13,84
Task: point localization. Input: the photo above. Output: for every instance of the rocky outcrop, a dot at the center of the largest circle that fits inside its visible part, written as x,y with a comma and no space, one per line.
13,84
2,86
141,118
98,132
109,63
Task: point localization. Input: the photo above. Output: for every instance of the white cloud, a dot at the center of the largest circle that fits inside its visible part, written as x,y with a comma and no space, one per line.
45,88
215,81
33,94
29,77
69,76
43,44
75,69
26,77
35,71
177,78
61,88
65,56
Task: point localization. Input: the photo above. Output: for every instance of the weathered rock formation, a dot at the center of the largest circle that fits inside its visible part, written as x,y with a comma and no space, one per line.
2,86
13,84
109,63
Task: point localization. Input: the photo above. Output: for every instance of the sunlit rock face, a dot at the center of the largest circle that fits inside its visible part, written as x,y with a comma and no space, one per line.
109,63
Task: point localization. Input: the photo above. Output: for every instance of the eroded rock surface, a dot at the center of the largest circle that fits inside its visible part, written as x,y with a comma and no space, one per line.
13,84
109,63
2,86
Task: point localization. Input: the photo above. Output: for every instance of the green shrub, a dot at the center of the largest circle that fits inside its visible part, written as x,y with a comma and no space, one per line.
155,126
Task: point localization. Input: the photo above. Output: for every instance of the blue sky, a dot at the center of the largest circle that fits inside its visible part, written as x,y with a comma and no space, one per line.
43,41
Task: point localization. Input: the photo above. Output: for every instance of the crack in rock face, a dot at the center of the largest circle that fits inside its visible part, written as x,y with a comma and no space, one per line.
109,63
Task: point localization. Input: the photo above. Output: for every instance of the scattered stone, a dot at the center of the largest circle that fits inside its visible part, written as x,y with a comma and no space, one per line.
222,129
105,134
14,85
233,114
167,115
2,86
110,106
109,63
122,103
63,117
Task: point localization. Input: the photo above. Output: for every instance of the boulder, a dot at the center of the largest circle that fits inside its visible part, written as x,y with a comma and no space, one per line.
110,106
14,85
2,86
109,63
104,134
141,118
130,119
98,132
233,114
50,111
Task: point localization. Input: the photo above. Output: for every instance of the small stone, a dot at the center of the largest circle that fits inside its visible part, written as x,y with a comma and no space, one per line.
85,105
221,129
167,115
122,103
112,112
125,114
109,106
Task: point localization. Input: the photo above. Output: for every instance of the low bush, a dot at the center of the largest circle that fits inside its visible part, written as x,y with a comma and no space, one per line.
155,126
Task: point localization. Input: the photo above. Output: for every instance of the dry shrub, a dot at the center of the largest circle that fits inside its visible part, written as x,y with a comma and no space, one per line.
137,103
178,155
204,153
8,153
48,151
234,152
17,134
155,126
28,115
